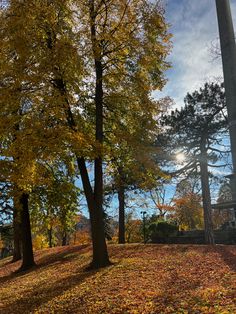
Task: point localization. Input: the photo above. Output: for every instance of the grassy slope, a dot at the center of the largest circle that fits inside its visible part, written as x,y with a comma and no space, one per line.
143,279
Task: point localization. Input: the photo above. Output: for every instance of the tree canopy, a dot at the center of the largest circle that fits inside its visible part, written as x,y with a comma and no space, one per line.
76,80
196,129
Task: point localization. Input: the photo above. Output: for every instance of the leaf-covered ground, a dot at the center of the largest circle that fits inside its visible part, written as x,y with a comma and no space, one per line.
143,279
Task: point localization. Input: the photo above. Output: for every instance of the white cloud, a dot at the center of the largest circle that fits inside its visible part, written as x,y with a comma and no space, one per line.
194,27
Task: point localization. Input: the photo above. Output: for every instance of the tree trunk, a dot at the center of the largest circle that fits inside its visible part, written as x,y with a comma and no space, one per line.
27,248
94,199
16,232
50,237
206,196
100,254
64,239
121,198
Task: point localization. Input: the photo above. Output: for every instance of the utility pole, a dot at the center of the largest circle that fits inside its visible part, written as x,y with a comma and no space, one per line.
228,53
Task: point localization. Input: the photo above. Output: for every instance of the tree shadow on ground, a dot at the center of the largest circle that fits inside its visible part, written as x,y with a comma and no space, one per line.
65,254
227,256
44,293
15,274
176,289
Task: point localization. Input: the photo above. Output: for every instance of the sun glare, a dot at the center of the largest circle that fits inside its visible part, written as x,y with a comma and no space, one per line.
180,157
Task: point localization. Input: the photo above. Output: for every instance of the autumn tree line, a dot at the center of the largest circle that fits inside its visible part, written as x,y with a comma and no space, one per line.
76,83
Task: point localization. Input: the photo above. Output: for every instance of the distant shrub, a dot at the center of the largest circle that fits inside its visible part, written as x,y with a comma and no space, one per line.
40,242
162,229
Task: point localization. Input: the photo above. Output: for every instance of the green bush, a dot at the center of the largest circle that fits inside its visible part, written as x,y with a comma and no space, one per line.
162,229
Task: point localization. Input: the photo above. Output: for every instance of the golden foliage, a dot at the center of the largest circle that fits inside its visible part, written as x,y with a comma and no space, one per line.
81,237
188,211
47,74
144,279
40,242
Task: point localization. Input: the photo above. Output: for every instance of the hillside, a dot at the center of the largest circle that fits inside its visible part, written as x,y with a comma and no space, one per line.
143,279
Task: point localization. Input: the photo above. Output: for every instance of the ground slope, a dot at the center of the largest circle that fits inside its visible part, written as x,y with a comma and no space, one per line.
143,279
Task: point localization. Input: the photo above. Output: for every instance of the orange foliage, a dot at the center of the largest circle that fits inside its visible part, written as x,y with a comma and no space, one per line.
144,279
81,237
133,232
188,211
165,207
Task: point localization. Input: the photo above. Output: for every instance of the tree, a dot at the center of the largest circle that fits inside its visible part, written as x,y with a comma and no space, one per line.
117,51
132,165
25,126
125,70
188,211
132,172
16,232
79,82
54,207
197,130
224,194
8,212
160,199
221,216
13,131
133,227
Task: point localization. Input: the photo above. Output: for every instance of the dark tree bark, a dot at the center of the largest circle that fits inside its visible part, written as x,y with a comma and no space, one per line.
121,198
94,198
100,254
100,257
16,219
206,196
16,232
50,237
27,248
64,239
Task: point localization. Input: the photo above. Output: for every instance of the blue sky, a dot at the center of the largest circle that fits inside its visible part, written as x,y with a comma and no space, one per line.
194,28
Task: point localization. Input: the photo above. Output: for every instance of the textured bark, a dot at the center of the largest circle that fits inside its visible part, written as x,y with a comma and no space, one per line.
121,198
50,237
64,239
16,232
100,254
27,248
94,198
206,196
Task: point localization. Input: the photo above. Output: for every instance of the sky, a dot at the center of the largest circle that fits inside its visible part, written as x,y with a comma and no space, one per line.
194,28
193,24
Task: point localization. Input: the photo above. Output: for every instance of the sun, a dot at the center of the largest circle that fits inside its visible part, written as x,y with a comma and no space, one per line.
180,157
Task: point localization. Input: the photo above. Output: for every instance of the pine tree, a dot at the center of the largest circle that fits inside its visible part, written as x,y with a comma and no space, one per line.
197,129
